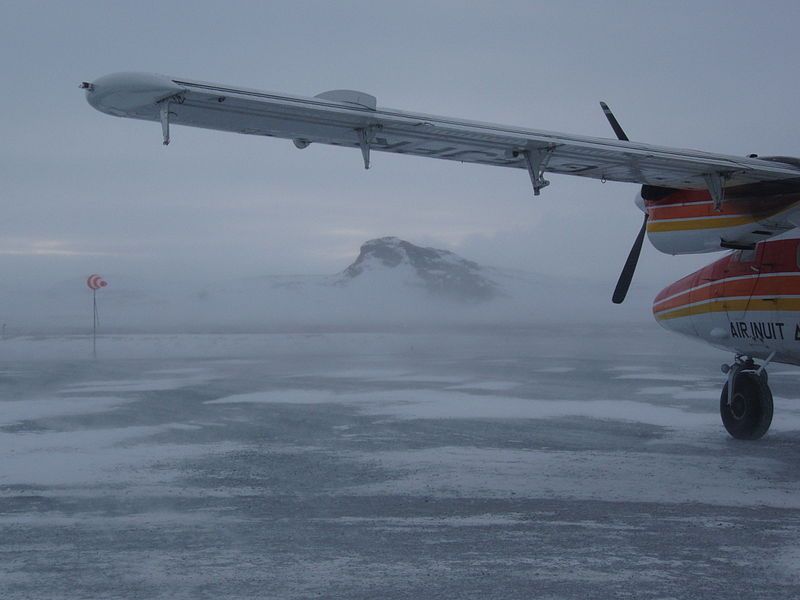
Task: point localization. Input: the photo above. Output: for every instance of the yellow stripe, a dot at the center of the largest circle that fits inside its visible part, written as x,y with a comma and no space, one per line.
661,225
741,305
717,223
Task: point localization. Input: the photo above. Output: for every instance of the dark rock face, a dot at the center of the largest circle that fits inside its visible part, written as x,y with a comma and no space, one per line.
439,271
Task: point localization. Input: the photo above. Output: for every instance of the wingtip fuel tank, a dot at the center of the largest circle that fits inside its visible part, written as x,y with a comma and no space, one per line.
130,94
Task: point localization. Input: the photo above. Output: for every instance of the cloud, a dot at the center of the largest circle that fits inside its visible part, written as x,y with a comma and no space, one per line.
46,247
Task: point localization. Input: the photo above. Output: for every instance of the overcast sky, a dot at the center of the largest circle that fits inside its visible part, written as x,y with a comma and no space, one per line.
84,192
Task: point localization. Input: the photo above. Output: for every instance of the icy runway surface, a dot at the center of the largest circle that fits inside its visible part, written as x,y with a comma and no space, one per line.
551,462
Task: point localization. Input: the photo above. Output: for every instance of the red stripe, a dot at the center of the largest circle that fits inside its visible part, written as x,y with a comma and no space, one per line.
697,203
778,256
767,286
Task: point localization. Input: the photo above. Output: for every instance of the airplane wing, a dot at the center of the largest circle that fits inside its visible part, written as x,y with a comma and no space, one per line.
353,119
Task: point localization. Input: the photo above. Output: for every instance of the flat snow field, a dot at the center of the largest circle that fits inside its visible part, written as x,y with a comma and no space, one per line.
541,462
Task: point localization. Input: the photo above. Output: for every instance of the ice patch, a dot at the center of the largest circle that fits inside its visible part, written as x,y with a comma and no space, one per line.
488,386
390,376
681,393
16,411
617,476
420,378
432,404
193,371
366,373
658,376
453,404
144,384
95,457
484,520
279,397
205,518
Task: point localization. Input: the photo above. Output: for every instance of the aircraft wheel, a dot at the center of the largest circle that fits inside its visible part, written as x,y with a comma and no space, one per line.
749,414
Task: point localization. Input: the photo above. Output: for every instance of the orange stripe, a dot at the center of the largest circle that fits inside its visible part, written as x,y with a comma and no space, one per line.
692,210
738,305
729,216
734,207
777,286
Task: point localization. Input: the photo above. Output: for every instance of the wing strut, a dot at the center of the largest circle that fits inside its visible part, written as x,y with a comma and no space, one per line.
536,161
165,120
365,135
714,182
164,114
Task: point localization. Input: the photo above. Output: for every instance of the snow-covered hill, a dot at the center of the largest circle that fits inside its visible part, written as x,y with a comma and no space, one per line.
440,272
391,282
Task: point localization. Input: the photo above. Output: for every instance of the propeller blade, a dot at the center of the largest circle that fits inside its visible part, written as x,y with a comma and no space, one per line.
614,123
626,276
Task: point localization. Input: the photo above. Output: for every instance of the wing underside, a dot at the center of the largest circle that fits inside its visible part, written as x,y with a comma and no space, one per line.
371,128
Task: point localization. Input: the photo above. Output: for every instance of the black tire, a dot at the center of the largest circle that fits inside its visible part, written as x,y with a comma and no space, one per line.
750,413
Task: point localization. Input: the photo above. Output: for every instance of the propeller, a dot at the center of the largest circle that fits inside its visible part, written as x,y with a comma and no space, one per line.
624,281
614,123
625,278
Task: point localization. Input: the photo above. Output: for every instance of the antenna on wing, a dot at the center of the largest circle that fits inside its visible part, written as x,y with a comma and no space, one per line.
625,278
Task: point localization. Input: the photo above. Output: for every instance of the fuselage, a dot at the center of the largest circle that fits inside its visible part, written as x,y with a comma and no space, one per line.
748,302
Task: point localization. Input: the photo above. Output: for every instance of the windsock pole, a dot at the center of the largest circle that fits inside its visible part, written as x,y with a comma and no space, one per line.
95,282
94,323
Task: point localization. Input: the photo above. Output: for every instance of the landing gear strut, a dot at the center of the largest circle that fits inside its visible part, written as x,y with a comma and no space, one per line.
746,401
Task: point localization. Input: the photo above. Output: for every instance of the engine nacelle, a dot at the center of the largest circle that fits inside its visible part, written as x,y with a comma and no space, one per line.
747,302
687,221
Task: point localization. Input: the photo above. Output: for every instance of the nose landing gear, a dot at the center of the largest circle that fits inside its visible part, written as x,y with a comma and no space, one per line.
746,401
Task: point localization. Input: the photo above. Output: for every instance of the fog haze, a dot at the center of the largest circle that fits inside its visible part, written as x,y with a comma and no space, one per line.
312,380
392,285
84,192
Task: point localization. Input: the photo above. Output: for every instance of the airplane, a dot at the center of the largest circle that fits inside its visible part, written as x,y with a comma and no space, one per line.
747,302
